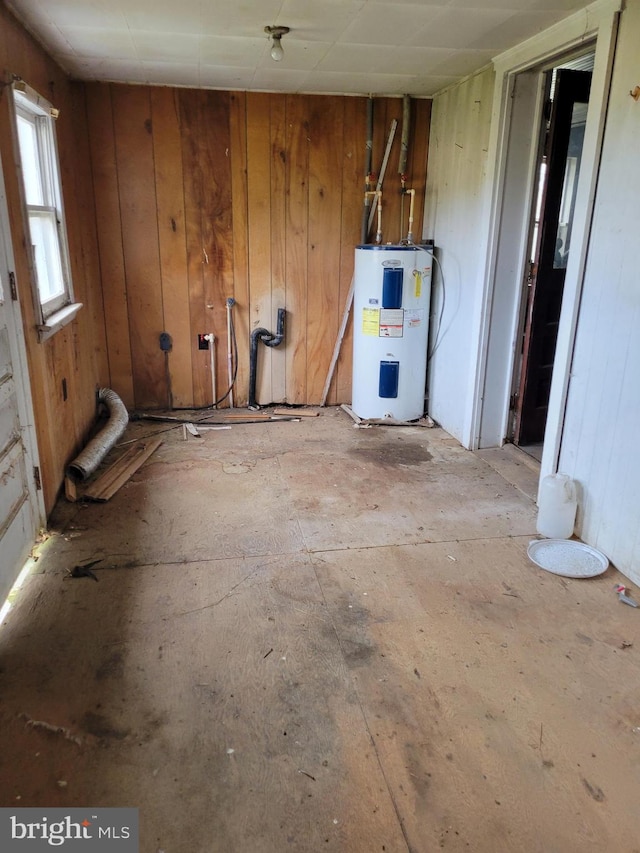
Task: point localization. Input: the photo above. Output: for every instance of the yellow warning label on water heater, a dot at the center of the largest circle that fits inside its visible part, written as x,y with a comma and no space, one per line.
417,278
370,321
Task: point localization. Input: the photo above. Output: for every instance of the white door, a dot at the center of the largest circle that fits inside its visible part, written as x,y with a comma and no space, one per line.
21,505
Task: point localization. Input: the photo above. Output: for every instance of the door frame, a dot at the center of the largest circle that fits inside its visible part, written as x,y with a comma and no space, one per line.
512,155
20,366
544,278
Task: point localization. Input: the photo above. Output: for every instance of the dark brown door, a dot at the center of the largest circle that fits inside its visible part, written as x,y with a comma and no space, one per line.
561,163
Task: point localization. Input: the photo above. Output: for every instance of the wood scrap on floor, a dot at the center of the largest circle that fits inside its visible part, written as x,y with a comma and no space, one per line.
246,416
424,421
70,489
122,470
298,413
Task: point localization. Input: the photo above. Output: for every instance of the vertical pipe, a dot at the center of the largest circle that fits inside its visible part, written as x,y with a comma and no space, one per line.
212,357
230,303
404,140
412,193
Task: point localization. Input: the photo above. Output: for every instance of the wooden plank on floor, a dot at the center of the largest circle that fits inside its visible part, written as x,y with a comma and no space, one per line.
297,413
105,487
167,153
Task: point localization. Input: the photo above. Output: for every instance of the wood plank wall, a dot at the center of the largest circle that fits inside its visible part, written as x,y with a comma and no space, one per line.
206,195
76,354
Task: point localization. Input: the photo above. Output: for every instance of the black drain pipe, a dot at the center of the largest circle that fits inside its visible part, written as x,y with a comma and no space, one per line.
269,340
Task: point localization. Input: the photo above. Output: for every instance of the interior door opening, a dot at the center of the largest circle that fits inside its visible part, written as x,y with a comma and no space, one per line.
559,156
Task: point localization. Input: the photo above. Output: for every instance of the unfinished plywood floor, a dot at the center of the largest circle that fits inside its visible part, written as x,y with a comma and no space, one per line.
311,637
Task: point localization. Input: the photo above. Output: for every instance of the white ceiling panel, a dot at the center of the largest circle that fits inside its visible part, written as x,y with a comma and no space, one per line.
100,43
384,47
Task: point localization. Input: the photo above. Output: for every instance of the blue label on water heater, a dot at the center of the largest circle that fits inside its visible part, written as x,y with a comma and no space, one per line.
392,287
389,374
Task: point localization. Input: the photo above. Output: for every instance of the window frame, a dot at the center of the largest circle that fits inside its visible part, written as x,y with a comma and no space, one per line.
56,311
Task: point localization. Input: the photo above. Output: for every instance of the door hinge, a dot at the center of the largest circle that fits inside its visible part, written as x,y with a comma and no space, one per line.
36,477
12,286
513,402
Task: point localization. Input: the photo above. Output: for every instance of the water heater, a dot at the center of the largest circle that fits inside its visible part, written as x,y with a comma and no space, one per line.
392,293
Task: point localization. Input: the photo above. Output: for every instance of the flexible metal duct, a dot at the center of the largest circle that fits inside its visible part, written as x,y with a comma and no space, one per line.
88,460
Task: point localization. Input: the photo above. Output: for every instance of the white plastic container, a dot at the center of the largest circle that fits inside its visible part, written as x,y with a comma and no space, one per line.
557,505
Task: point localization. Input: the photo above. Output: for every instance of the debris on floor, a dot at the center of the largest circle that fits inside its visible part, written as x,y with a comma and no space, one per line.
84,571
67,734
108,483
623,597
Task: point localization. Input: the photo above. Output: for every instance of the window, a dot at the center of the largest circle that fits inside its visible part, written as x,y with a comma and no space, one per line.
35,124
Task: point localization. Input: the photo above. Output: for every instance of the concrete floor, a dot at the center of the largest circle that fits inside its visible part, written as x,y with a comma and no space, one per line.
307,636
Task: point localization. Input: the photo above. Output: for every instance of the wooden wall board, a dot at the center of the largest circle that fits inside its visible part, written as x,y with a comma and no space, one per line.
278,157
418,159
259,220
92,337
169,181
239,201
109,230
138,212
325,206
353,145
297,221
190,106
216,215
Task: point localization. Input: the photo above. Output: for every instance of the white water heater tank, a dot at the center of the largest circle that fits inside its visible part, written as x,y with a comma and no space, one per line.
392,294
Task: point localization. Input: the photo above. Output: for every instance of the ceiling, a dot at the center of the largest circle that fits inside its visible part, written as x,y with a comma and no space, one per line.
382,47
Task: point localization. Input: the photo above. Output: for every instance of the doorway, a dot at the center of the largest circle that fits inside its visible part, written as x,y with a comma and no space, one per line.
567,89
21,506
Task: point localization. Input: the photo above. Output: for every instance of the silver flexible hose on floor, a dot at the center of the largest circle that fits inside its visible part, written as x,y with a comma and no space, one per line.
88,460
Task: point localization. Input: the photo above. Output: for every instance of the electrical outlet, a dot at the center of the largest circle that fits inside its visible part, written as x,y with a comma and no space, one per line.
203,343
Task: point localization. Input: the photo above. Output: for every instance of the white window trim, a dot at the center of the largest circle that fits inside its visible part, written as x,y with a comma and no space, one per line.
63,308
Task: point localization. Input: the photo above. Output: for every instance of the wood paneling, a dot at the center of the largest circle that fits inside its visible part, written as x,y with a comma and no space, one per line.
77,354
257,197
239,201
297,190
323,274
259,219
167,156
109,228
133,126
